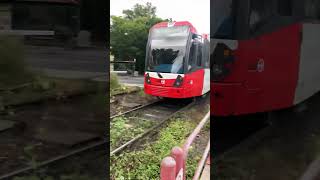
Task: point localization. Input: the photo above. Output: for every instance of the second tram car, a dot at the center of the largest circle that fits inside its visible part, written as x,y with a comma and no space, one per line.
265,54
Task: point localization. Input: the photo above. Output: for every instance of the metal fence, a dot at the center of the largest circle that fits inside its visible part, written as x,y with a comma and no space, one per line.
132,63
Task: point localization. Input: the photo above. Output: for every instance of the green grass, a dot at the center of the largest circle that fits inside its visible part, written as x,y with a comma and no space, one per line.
122,130
145,164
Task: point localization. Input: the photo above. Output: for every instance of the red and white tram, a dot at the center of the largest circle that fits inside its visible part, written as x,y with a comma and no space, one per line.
177,61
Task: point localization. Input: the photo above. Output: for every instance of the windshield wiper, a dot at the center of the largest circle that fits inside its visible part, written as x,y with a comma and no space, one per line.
159,75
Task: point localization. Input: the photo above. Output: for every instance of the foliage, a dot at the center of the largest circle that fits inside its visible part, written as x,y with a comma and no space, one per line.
129,34
116,88
12,65
42,84
145,164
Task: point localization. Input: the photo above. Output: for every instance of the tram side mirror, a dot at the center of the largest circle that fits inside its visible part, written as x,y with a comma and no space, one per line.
195,36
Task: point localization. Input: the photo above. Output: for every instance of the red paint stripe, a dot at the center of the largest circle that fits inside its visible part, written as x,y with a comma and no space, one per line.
180,23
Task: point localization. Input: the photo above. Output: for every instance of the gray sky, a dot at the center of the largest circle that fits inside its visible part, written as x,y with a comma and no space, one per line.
195,11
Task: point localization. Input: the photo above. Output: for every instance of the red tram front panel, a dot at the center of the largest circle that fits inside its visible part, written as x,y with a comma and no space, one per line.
192,84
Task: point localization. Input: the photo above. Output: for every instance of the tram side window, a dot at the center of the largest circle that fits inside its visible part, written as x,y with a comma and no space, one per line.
260,12
206,54
199,58
193,57
312,9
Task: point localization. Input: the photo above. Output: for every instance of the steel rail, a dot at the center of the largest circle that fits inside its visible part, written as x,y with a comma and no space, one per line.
134,109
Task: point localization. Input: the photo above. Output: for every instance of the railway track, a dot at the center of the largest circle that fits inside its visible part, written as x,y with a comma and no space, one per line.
126,101
151,111
157,113
134,109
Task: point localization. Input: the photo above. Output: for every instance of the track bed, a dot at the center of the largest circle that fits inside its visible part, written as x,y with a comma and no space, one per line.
283,151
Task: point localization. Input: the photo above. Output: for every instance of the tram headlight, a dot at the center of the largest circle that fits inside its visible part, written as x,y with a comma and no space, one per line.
148,79
222,62
178,81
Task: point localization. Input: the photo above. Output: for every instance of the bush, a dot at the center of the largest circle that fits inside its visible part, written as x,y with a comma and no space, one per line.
12,66
114,82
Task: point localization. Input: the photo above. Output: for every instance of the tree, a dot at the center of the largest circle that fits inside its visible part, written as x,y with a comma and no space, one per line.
129,34
141,11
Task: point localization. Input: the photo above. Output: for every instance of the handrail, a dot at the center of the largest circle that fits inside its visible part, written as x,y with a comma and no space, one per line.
191,138
202,162
124,62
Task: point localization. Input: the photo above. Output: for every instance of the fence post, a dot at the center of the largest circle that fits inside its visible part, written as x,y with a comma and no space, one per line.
177,154
134,66
168,169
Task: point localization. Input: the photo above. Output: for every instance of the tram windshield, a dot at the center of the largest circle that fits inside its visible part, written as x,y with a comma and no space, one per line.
167,49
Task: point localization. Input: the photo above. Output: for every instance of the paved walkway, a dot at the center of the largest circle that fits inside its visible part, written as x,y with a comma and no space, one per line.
129,80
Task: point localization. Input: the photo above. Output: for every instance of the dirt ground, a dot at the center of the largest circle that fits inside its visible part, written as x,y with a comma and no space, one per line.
284,152
123,102
41,127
